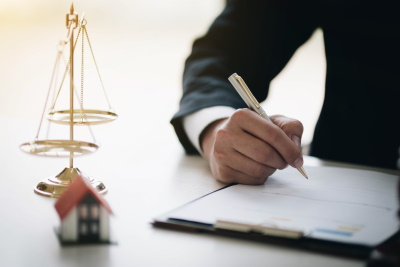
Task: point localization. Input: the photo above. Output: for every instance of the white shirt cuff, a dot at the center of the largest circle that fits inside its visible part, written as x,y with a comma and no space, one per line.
195,123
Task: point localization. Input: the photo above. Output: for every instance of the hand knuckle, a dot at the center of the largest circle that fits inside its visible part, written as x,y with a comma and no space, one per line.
238,114
273,135
262,155
222,134
242,114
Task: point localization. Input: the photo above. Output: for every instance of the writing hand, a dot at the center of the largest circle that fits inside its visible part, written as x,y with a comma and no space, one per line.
247,149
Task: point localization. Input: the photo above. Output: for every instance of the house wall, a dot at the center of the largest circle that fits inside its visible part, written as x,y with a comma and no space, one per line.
68,229
104,225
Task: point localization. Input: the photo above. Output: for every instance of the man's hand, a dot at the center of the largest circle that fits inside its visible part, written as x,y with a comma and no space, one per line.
247,148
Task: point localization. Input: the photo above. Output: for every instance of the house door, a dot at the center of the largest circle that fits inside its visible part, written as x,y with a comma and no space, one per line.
88,220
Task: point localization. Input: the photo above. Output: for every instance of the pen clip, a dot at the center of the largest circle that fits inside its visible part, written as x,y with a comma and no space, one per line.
247,91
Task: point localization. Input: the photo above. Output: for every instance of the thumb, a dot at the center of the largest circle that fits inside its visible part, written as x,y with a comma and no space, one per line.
293,128
296,140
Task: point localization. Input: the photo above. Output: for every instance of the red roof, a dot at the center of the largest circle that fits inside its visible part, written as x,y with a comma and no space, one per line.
73,195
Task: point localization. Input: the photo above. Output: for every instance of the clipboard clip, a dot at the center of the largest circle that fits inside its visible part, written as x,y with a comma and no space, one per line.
269,230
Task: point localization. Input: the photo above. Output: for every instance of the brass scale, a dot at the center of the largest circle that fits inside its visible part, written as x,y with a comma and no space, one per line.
54,186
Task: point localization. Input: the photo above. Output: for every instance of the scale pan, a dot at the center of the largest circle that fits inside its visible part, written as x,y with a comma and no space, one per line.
82,116
58,148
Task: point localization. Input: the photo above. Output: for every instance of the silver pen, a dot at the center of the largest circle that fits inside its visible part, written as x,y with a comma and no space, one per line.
252,102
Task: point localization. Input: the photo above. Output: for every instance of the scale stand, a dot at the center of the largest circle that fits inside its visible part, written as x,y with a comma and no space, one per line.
55,186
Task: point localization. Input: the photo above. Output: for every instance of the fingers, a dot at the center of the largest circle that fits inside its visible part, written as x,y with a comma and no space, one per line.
290,126
273,134
240,169
293,128
258,150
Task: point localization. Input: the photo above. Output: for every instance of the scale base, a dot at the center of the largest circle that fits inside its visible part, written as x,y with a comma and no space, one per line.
55,186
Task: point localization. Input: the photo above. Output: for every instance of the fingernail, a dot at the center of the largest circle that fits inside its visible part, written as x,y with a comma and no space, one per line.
296,140
298,162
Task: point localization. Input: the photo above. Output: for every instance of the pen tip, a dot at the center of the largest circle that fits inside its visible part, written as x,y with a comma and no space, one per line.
303,172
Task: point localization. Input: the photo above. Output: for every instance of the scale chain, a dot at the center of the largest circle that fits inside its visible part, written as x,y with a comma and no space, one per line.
65,72
97,68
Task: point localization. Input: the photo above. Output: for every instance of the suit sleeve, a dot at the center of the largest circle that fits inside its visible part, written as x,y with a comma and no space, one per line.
254,38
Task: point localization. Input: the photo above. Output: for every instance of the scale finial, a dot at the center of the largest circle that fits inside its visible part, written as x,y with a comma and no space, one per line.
72,8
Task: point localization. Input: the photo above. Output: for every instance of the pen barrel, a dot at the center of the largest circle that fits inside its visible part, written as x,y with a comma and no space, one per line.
247,96
262,113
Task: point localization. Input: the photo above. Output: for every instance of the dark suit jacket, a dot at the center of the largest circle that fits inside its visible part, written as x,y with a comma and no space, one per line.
360,117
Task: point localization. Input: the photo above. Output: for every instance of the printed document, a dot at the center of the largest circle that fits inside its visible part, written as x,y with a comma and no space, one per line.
337,204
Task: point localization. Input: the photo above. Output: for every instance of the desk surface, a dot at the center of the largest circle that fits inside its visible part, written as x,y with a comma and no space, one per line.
141,186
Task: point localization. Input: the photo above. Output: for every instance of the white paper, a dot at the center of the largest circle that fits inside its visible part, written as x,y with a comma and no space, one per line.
346,205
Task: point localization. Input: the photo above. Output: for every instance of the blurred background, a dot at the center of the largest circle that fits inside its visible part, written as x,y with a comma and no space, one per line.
140,47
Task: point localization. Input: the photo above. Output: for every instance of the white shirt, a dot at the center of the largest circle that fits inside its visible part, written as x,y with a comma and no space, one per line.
195,123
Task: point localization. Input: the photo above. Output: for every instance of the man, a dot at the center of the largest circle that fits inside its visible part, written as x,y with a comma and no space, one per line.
359,120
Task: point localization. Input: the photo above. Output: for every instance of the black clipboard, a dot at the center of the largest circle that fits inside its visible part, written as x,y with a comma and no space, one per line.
358,251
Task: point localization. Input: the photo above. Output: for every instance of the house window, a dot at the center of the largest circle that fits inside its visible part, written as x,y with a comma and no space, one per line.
83,228
95,228
94,211
83,211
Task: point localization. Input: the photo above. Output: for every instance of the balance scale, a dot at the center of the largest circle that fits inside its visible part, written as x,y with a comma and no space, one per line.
69,148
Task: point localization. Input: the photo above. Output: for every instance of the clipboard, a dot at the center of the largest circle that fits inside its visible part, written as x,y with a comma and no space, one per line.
208,214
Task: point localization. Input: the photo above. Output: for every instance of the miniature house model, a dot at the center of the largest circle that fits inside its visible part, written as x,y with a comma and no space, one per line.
84,214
